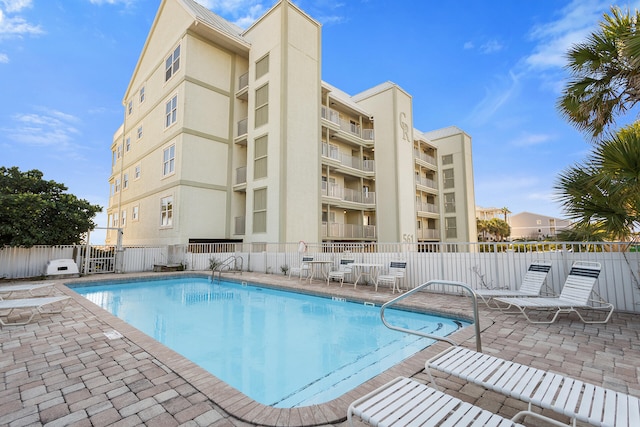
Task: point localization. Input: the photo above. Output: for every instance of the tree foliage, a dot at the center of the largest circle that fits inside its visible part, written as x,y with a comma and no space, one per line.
605,76
34,211
602,195
495,227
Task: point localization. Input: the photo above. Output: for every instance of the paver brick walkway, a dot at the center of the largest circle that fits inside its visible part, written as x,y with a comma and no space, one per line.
71,369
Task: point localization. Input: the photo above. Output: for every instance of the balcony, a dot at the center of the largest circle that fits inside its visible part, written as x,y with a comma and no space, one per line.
348,195
347,130
242,128
424,157
239,226
241,179
344,161
426,182
336,230
427,207
428,234
243,87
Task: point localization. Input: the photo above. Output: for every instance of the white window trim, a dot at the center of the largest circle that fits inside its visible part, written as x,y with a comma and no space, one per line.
172,171
173,114
163,226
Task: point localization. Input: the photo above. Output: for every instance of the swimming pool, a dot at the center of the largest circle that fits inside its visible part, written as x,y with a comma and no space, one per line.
282,349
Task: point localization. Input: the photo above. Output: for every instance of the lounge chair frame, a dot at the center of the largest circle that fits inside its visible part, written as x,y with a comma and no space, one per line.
9,290
532,283
406,402
567,396
577,294
34,304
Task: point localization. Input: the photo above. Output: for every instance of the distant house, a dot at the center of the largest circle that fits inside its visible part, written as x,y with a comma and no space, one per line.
532,226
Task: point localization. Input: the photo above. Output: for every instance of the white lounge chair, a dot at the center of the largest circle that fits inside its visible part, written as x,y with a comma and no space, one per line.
531,286
35,305
344,269
406,402
567,396
303,268
9,290
576,294
395,273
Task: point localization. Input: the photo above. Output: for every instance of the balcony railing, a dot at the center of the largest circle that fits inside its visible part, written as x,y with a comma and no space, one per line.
348,231
424,157
331,115
427,207
331,151
426,182
242,126
367,134
243,81
241,175
348,194
428,233
239,225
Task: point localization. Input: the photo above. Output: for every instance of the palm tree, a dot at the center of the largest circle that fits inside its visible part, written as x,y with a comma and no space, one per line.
605,74
505,211
603,194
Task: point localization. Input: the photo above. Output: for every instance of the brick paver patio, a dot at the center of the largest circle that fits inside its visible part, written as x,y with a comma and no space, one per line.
71,369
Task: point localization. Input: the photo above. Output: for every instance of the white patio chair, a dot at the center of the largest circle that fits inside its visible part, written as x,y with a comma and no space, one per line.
394,275
303,268
35,305
531,286
576,294
406,402
344,269
576,399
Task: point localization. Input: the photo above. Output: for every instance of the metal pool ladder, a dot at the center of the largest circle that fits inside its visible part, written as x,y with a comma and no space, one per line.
464,286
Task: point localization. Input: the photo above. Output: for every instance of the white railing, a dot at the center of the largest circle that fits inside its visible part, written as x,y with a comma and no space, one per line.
481,265
424,157
426,182
348,231
427,207
243,81
331,115
333,152
347,194
368,134
241,175
242,126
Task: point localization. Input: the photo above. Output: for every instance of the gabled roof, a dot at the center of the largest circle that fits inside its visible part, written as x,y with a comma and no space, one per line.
443,133
377,89
206,16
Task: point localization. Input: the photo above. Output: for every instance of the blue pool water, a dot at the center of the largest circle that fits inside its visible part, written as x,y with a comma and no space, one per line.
282,349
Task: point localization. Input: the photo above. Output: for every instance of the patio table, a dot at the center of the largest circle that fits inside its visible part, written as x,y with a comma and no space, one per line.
317,266
367,271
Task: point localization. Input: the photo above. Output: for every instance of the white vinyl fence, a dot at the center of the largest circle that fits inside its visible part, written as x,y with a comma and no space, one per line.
481,265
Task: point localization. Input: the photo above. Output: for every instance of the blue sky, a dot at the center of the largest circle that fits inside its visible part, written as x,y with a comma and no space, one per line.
494,68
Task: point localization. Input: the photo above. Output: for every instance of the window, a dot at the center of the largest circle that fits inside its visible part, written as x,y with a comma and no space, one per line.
172,64
262,106
450,228
136,172
447,159
449,202
447,177
119,151
166,211
116,220
171,111
139,132
117,188
125,181
260,158
262,66
124,218
168,160
113,158
134,213
130,107
260,210
127,144
141,94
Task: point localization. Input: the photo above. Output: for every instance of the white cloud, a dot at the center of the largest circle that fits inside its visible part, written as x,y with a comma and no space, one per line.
16,25
46,128
491,46
529,139
112,2
574,23
15,5
4,59
495,98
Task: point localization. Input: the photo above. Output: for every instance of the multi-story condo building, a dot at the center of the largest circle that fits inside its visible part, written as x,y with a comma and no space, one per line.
231,135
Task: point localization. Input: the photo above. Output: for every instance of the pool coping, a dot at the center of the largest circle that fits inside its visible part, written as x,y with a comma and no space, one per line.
235,403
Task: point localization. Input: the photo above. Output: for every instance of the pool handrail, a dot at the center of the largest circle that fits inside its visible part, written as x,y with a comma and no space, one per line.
226,266
466,287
